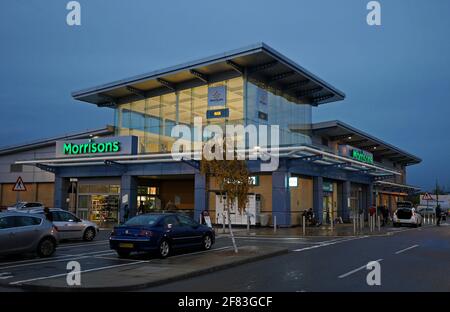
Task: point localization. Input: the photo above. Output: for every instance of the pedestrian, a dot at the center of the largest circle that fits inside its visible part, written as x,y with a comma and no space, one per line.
48,214
385,215
438,215
170,206
141,208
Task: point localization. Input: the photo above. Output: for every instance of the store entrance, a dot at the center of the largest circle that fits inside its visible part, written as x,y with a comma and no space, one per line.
148,199
328,211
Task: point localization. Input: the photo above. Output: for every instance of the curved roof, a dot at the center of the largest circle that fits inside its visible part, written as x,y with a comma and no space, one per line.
259,62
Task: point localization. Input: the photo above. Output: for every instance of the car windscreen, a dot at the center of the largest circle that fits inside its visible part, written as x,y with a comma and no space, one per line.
143,220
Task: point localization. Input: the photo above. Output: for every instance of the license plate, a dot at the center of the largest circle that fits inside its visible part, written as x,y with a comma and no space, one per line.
125,245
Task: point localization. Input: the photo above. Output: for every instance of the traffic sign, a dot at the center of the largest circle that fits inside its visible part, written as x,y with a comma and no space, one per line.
427,196
19,186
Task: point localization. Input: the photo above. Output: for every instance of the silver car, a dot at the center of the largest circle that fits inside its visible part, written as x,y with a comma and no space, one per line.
69,225
22,206
24,233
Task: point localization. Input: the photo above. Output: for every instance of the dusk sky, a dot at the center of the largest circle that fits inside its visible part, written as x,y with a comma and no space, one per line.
396,76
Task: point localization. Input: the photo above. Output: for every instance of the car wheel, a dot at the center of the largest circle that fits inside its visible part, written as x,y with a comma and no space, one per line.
164,249
89,234
46,247
207,242
123,254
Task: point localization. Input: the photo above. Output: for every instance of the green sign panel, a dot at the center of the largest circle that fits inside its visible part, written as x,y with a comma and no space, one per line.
362,156
91,148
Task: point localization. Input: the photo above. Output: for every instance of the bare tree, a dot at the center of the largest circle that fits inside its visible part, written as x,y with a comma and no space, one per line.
233,180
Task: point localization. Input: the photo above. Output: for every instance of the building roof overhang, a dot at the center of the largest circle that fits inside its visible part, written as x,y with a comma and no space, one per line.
259,62
339,131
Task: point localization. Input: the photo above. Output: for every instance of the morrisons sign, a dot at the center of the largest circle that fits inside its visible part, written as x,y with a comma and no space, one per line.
126,145
91,148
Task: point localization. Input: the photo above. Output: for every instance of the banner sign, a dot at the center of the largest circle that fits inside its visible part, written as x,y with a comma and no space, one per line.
121,145
218,113
217,96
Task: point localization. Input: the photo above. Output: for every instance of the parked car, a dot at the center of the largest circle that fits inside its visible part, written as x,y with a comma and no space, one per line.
406,214
424,210
69,225
24,233
160,232
21,206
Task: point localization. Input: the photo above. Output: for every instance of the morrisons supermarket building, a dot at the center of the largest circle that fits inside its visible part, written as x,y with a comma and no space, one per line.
329,166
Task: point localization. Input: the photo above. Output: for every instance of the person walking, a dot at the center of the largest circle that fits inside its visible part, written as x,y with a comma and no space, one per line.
438,215
141,208
48,214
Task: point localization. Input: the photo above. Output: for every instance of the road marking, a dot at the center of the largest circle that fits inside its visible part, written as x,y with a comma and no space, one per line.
200,252
406,249
64,258
5,275
329,243
77,272
357,269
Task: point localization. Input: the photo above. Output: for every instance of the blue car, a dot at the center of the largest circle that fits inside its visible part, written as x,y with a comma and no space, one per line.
161,233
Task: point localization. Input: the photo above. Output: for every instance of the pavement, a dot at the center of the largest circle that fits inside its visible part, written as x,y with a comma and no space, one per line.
411,260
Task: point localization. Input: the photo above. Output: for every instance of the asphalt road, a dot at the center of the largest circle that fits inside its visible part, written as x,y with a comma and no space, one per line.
412,260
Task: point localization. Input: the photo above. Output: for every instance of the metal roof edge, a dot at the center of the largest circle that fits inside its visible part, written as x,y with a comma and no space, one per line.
334,123
49,141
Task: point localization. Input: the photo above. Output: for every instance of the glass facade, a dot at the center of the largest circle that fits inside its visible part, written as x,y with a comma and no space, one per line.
152,119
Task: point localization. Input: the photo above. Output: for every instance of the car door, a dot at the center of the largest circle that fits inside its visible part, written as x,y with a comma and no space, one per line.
26,232
193,236
6,234
174,231
67,224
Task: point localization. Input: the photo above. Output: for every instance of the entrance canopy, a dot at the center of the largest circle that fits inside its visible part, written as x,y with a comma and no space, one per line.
259,62
388,186
302,152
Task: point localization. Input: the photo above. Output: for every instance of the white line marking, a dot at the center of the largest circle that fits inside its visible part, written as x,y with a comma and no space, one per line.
83,271
329,243
65,258
357,269
406,249
200,252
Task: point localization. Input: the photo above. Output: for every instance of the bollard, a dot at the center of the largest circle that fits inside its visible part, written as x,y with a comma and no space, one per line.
354,225
379,224
274,224
248,224
304,226
331,222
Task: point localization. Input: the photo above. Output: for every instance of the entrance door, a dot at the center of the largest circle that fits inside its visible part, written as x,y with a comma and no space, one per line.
328,214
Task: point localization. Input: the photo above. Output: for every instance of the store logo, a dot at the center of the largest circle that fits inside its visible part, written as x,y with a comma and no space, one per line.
91,148
362,156
227,145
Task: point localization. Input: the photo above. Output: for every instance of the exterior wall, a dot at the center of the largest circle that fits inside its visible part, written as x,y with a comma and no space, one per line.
29,174
301,199
40,192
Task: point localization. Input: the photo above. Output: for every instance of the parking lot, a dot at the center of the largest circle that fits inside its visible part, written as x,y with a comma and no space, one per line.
96,257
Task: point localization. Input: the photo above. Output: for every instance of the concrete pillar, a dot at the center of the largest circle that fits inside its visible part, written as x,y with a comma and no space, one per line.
318,198
128,191
281,198
200,202
345,196
61,192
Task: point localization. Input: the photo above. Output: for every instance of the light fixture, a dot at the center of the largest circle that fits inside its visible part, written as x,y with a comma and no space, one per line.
349,138
374,147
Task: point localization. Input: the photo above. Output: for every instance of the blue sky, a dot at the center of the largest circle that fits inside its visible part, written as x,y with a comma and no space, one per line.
396,76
